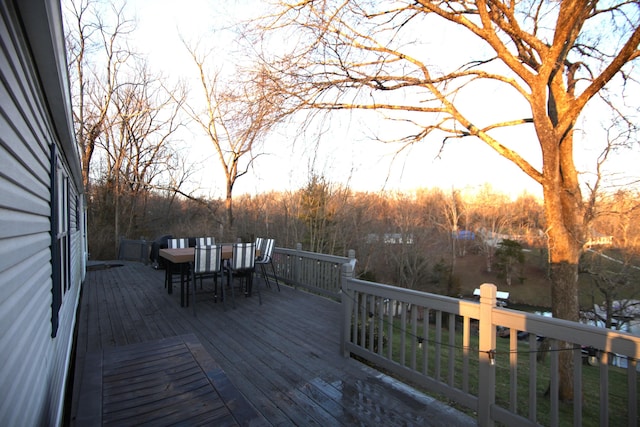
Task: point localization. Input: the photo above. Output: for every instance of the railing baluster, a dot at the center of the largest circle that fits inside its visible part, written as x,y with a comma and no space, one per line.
554,375
414,336
632,382
390,329
604,388
356,309
466,343
438,345
577,385
513,370
363,320
403,337
533,375
371,321
380,315
451,368
425,341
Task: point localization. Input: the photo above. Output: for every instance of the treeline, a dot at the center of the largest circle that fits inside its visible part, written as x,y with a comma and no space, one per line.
408,239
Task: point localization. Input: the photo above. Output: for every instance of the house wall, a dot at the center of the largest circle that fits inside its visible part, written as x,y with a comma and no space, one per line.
38,159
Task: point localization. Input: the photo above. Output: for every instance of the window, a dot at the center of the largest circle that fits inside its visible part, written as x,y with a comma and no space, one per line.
60,241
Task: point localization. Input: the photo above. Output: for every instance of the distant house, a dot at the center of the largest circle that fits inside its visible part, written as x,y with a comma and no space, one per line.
42,215
463,235
493,239
391,238
598,239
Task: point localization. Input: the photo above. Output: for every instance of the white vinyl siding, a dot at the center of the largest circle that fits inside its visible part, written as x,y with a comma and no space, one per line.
34,366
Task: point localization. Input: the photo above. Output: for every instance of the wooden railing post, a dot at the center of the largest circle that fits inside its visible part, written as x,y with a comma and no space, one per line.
486,356
297,273
347,308
352,261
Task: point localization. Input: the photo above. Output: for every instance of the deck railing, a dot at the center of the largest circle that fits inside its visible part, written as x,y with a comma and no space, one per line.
450,347
316,272
134,250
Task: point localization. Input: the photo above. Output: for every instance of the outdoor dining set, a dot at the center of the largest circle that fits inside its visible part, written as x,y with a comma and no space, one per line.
202,258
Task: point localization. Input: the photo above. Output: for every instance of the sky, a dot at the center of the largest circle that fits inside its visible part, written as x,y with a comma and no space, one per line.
346,154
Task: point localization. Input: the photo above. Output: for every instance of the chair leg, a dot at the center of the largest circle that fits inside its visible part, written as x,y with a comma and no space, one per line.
222,293
274,275
257,287
184,292
230,284
194,292
264,275
215,288
187,291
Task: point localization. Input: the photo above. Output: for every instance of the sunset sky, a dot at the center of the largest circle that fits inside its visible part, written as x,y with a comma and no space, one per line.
346,154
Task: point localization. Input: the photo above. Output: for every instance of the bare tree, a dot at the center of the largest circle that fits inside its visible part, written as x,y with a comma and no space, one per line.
95,54
410,247
550,57
614,280
318,213
143,119
238,113
453,209
490,221
125,117
509,255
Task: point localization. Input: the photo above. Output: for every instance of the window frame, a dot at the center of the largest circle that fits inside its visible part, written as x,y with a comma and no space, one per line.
60,236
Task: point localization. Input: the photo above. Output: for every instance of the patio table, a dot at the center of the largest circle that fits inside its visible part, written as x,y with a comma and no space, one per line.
182,257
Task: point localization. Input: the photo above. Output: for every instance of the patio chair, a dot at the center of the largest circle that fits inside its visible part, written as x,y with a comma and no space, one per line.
205,241
207,263
178,243
174,244
266,258
242,265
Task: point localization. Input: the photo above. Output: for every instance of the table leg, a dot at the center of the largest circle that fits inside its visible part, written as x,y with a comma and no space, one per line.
181,285
168,271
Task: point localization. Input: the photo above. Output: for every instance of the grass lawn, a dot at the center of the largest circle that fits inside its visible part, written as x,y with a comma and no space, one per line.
534,290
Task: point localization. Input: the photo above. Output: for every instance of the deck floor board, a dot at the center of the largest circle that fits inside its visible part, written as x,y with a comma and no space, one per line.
278,363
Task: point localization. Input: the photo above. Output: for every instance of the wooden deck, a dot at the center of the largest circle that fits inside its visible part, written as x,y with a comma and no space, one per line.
278,363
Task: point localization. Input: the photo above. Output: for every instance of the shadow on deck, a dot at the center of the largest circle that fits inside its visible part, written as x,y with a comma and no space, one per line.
278,363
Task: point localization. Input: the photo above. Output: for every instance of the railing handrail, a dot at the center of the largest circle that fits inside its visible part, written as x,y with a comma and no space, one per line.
376,315
320,273
565,330
316,255
438,302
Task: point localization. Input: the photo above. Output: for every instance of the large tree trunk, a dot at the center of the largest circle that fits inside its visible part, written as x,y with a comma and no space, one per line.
563,204
563,208
564,290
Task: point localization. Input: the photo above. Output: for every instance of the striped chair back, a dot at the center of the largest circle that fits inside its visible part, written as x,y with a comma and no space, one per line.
205,241
178,243
267,250
244,256
207,259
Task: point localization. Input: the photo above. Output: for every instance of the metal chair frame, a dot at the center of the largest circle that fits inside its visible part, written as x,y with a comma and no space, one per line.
207,262
266,252
242,263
